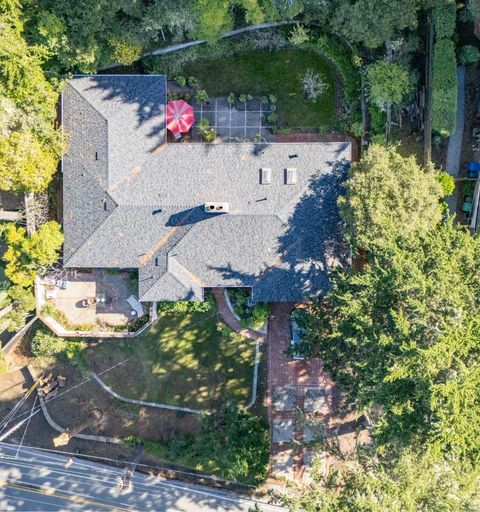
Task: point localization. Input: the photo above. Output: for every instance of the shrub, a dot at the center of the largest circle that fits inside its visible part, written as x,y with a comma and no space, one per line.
447,182
201,96
272,99
341,55
242,98
184,307
125,51
75,354
378,119
444,18
313,85
259,314
45,344
180,80
298,35
192,82
444,88
271,118
232,443
356,129
231,98
206,131
468,55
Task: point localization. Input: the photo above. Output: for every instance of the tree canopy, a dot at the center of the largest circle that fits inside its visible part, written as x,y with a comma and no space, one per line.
29,144
402,337
26,255
409,482
389,82
387,194
373,22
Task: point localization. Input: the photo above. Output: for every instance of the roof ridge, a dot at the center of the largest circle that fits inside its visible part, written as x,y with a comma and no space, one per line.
188,280
97,228
69,83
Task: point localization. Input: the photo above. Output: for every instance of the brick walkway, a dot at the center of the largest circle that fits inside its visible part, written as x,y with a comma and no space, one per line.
229,319
292,385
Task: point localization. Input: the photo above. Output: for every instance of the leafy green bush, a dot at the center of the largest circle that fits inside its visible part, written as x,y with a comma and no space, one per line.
444,18
206,131
378,119
444,87
250,316
468,55
184,306
45,343
341,55
447,182
180,80
232,443
75,354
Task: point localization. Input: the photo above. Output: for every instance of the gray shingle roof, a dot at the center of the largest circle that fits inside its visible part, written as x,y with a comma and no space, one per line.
133,201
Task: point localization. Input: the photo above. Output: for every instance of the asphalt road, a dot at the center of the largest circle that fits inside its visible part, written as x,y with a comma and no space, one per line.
33,480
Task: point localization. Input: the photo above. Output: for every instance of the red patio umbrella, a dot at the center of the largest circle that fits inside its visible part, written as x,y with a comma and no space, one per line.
180,116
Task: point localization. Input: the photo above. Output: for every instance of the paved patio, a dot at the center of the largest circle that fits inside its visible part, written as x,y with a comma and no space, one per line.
115,287
234,123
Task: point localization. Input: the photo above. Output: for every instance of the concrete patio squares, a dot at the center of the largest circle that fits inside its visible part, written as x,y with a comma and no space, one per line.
234,123
315,400
284,399
282,464
283,430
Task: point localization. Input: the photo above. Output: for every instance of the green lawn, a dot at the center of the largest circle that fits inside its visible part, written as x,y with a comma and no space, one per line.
277,72
188,359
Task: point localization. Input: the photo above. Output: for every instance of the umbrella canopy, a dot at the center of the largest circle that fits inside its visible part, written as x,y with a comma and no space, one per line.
180,116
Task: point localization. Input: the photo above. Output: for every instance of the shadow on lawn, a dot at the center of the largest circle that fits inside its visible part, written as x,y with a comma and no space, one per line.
188,360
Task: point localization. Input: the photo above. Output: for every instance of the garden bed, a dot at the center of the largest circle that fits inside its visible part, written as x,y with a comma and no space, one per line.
279,73
253,315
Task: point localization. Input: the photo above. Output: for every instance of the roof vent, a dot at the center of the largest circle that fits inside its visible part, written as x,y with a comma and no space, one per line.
215,207
294,155
266,176
290,176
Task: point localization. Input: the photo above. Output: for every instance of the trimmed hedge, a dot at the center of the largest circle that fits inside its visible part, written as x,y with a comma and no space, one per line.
444,87
444,17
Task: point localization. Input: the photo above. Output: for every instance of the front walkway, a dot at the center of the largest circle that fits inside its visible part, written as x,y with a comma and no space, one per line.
296,388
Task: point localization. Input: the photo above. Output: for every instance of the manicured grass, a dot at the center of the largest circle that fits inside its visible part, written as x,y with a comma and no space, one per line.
279,73
188,359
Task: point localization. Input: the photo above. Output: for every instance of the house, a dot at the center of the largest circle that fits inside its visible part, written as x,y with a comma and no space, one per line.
192,216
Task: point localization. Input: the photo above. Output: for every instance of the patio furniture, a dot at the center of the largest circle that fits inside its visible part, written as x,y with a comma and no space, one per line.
62,284
180,117
51,294
101,300
136,305
89,302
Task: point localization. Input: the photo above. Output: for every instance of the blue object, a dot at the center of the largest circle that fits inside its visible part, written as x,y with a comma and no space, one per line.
473,169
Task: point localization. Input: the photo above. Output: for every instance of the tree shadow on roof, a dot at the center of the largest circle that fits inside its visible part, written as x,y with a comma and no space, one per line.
311,245
139,90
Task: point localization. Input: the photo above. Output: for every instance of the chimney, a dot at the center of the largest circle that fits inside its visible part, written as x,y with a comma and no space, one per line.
216,207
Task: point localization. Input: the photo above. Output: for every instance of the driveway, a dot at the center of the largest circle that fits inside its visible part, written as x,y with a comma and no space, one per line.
296,389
